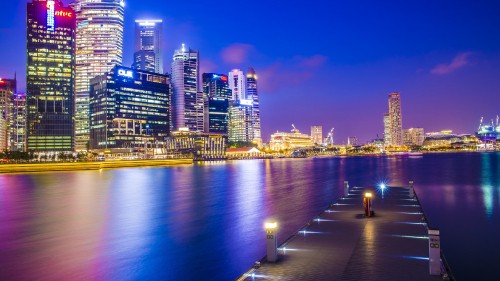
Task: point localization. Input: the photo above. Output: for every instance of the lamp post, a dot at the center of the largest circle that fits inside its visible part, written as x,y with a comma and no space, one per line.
367,204
272,241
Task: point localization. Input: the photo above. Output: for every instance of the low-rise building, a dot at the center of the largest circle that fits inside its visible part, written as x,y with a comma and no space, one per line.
196,145
413,136
281,141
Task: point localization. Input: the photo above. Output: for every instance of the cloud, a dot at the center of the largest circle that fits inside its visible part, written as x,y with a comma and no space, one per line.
236,53
292,72
207,66
458,62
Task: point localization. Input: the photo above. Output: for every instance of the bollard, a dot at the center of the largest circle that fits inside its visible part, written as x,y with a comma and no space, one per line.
346,189
411,190
434,252
272,241
367,204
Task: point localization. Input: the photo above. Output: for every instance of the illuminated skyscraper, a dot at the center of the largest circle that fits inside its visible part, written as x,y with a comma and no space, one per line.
317,134
148,49
187,99
253,95
50,76
395,122
387,129
240,125
7,92
99,44
216,98
237,84
18,122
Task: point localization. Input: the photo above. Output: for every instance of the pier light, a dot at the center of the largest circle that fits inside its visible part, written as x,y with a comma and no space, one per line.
368,195
271,228
383,186
367,204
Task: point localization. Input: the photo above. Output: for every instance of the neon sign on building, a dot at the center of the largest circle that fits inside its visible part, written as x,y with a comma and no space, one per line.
50,15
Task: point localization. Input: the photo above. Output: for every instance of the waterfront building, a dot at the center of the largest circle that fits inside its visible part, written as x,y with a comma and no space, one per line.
448,141
99,47
413,136
253,94
395,120
237,84
148,46
50,77
196,145
240,121
244,153
281,141
129,109
352,141
439,133
216,95
187,100
489,133
18,122
7,93
317,134
387,129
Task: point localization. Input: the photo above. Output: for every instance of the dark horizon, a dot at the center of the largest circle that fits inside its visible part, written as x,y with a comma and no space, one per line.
329,64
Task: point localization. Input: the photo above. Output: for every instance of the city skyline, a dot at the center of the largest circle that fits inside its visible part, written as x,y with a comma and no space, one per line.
445,68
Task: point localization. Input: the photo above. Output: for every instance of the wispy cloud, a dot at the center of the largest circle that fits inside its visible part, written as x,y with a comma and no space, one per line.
311,62
237,53
458,62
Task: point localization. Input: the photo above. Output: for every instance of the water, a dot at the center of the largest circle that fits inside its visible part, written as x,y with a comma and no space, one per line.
206,221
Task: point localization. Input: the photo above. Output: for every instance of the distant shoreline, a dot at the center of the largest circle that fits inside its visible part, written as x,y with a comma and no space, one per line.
85,166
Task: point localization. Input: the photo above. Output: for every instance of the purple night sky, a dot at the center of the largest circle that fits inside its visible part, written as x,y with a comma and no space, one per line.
329,63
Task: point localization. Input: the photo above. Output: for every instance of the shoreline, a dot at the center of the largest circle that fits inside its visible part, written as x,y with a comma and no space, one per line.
86,166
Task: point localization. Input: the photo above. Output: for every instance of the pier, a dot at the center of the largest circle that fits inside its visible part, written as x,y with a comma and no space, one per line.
345,243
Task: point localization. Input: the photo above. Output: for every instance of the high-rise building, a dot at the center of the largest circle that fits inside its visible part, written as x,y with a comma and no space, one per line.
237,84
395,119
216,95
387,129
50,76
7,92
99,48
317,134
413,136
18,122
128,108
240,125
187,100
253,95
148,47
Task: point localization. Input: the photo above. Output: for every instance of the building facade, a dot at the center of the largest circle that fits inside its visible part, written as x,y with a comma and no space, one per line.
148,47
7,93
240,121
253,95
216,96
317,134
129,109
281,141
99,47
395,120
387,129
187,100
237,84
413,136
196,145
50,77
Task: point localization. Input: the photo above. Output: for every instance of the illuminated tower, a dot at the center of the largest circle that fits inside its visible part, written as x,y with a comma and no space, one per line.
237,84
50,75
148,48
317,134
395,122
7,93
187,100
99,44
253,95
387,129
216,97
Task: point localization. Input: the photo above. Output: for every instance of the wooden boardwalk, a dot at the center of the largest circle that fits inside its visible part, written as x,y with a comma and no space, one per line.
343,244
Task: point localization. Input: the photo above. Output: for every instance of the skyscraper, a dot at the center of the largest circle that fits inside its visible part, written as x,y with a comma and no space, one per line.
7,92
128,108
253,95
99,47
187,99
240,125
148,48
50,76
18,122
395,122
237,84
216,98
317,134
387,129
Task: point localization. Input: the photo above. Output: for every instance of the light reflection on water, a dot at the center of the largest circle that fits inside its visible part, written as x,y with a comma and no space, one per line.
205,221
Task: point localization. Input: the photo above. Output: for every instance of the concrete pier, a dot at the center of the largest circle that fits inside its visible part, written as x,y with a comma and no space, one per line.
344,244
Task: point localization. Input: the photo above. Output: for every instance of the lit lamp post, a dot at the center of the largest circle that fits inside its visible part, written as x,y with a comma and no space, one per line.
367,204
272,241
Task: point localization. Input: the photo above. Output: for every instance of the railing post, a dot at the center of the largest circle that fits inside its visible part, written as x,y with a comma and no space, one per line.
346,189
272,241
434,252
411,190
